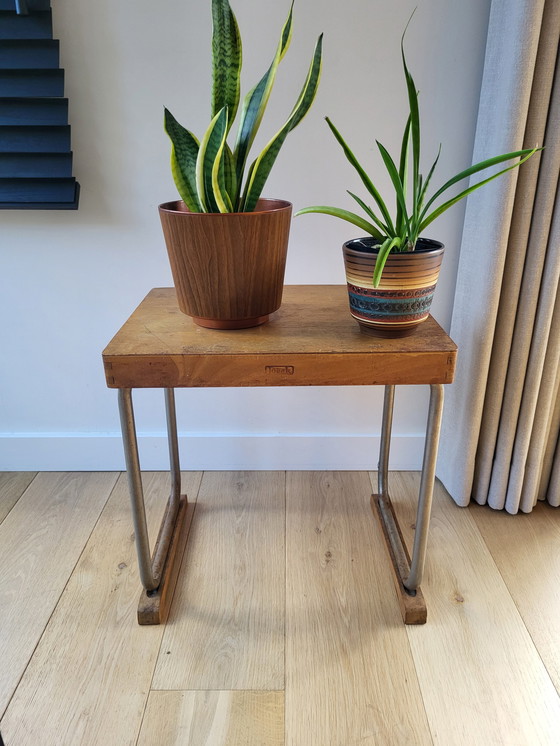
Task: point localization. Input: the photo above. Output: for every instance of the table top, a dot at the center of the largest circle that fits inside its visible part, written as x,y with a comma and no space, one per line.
310,341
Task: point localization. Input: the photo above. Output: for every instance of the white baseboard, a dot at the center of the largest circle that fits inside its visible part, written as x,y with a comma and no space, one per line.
103,452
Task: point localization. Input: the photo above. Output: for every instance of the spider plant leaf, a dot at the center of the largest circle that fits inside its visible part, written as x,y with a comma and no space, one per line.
446,205
397,184
219,168
350,217
255,102
184,152
363,176
414,119
384,250
424,188
210,147
226,59
263,164
371,213
522,154
403,173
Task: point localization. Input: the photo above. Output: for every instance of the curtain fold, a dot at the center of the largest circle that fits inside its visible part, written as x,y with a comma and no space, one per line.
502,418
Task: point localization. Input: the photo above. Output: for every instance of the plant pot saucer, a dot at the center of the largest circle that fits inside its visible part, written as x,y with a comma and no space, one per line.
230,323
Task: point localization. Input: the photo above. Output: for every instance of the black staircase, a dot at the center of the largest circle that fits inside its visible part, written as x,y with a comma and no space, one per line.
35,153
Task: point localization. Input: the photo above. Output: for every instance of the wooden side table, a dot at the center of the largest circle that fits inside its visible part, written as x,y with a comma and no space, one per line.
310,341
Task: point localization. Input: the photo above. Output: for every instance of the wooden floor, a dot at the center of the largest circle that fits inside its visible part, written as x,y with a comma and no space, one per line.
285,628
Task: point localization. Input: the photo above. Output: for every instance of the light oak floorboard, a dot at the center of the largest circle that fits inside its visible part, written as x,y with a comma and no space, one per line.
89,679
482,679
350,676
40,542
12,486
226,625
237,718
526,549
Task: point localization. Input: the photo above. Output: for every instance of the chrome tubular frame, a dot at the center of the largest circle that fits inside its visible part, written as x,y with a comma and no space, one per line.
150,569
411,575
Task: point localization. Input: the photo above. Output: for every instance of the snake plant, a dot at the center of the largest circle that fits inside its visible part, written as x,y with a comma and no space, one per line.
414,210
209,175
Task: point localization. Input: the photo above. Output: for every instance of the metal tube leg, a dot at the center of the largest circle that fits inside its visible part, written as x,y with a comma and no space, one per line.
130,444
172,509
426,487
173,443
385,444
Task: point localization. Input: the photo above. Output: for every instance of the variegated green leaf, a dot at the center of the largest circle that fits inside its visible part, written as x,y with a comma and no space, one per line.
255,102
219,181
209,154
184,152
263,164
226,59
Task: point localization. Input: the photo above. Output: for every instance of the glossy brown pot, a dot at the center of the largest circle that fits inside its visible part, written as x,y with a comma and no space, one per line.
228,268
404,295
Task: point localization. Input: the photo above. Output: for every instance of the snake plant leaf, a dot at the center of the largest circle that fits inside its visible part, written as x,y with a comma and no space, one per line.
384,250
184,152
255,102
363,176
446,205
522,154
229,174
219,167
350,217
397,184
210,152
265,161
367,209
226,60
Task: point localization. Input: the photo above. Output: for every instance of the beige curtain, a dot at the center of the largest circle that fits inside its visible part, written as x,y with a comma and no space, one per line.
500,439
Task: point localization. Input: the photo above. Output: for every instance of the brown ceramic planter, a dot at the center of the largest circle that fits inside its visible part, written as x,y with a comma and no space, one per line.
228,268
404,296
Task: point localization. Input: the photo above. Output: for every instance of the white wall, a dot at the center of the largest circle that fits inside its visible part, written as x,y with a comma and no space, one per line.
69,279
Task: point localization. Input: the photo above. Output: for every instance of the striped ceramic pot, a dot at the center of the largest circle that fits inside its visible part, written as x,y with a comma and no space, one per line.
404,296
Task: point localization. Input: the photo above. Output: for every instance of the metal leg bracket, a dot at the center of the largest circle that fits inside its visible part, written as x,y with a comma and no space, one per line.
408,574
158,572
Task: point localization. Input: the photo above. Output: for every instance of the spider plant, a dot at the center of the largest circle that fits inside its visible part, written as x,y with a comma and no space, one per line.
209,175
415,211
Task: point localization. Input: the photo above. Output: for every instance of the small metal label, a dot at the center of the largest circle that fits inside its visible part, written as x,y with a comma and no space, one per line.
287,370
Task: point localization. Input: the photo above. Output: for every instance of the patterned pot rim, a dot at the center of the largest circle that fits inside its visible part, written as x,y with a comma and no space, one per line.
370,245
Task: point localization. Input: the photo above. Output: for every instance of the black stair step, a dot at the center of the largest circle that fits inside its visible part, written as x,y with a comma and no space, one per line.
35,165
15,83
34,26
32,5
37,190
40,111
29,54
33,139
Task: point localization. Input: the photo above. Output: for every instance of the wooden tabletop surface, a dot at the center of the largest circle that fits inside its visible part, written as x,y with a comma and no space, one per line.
310,341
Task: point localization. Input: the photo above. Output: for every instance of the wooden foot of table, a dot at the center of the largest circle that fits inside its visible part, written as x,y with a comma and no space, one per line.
412,605
154,605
